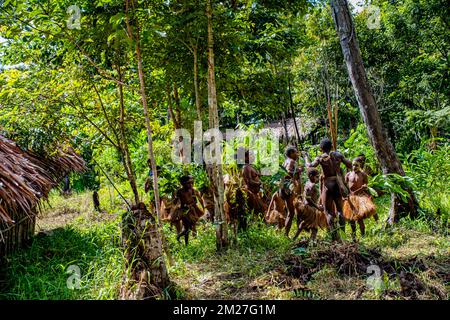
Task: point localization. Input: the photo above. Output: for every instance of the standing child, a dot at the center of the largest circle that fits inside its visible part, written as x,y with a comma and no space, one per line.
276,212
310,214
291,188
186,208
359,205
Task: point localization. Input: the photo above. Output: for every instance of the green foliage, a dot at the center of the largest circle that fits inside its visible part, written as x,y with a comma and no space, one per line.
169,177
429,169
393,182
40,272
358,143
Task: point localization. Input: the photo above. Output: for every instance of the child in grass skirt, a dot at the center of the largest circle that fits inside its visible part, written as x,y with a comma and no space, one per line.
185,208
310,215
276,213
359,205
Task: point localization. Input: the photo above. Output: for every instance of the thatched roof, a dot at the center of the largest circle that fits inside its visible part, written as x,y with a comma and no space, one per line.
26,178
304,124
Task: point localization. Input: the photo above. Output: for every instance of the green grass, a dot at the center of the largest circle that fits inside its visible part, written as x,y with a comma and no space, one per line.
39,272
254,268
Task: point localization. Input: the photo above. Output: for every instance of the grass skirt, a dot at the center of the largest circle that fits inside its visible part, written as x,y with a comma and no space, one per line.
311,217
358,207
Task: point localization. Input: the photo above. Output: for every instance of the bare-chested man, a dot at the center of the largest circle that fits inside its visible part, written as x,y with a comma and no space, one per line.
331,192
359,205
291,185
186,207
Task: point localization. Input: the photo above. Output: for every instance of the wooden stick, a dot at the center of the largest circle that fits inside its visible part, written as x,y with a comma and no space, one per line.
335,119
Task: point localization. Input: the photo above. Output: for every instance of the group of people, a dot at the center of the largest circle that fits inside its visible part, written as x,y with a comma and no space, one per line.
338,199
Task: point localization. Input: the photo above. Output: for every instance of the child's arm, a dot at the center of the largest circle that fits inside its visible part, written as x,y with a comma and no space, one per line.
309,200
199,198
271,205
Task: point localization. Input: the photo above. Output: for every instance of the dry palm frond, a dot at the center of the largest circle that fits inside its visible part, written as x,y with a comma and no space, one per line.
26,178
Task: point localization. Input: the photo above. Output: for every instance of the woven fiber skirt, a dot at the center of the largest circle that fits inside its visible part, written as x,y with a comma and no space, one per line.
358,207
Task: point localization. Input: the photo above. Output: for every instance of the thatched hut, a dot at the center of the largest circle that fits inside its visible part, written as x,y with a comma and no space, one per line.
25,180
285,130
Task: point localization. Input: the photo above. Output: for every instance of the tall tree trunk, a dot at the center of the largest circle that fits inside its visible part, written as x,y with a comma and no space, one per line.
160,235
196,89
135,37
176,97
216,169
170,107
293,115
146,276
286,132
124,143
384,150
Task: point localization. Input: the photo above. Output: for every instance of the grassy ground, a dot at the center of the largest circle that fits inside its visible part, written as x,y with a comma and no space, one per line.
413,259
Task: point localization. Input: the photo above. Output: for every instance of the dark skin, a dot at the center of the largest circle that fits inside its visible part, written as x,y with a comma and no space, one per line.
311,199
357,181
253,183
251,176
311,193
166,207
188,197
277,203
331,196
290,166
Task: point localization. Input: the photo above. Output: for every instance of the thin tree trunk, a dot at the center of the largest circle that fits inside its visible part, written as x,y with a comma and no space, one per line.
216,169
384,150
163,271
170,107
176,98
336,121
286,132
332,129
146,113
124,145
291,102
196,90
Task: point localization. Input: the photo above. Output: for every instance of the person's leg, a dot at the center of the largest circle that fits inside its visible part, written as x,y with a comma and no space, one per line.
327,196
299,229
313,234
194,230
186,237
290,214
182,233
339,204
353,225
184,229
330,215
362,227
187,227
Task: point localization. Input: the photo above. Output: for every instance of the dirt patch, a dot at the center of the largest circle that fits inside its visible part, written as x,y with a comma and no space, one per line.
354,260
56,219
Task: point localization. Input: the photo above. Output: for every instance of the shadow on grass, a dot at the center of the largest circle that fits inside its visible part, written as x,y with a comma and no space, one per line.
40,271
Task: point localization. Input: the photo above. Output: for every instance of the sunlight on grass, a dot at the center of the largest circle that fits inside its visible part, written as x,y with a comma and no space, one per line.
249,269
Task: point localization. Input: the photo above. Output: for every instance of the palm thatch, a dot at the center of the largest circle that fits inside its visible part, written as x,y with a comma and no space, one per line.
304,124
26,178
